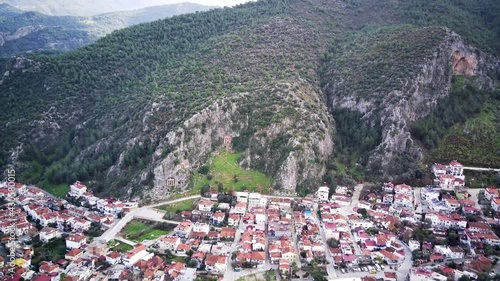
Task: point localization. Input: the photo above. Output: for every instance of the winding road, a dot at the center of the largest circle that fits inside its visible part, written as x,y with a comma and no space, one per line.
147,212
115,229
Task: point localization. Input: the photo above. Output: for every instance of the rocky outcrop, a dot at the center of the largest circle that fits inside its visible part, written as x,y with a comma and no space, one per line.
398,109
280,147
20,32
463,63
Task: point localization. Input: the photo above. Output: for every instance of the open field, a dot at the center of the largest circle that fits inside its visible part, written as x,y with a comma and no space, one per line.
58,190
119,246
224,169
187,205
140,230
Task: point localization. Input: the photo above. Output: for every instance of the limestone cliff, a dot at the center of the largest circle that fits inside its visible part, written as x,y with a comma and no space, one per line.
276,144
415,96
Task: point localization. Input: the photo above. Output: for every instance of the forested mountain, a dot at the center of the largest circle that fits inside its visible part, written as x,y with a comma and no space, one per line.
23,32
310,91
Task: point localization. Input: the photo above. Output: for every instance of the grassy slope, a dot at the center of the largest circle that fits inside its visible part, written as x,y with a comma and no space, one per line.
223,169
186,205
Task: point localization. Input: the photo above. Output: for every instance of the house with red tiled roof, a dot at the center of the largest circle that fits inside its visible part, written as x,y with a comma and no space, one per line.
216,264
239,208
199,256
76,241
284,267
218,217
48,233
495,204
491,192
73,254
390,276
175,270
184,229
435,257
479,227
182,249
49,267
137,253
205,205
233,220
228,233
169,243
113,257
389,257
258,258
244,257
456,168
77,189
447,181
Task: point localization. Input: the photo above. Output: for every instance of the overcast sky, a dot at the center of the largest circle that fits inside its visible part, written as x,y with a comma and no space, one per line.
93,7
217,2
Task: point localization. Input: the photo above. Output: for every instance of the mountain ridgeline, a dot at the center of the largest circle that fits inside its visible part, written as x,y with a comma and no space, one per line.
310,92
31,32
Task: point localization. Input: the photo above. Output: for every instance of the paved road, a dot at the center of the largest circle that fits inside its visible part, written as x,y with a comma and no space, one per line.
230,274
329,267
481,169
117,226
121,239
295,244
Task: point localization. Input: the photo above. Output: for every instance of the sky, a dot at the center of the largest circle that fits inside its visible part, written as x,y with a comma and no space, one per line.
212,2
94,7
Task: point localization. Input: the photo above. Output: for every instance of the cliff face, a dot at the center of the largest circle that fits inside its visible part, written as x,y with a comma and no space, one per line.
275,144
428,82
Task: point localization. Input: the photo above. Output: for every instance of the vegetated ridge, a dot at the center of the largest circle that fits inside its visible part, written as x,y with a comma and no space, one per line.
30,32
309,91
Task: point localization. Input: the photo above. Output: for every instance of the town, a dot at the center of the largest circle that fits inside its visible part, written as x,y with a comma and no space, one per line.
389,232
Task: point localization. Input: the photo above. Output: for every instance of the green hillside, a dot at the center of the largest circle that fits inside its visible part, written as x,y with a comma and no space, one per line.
34,32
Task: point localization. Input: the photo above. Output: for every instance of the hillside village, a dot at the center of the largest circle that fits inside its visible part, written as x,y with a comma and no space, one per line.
390,232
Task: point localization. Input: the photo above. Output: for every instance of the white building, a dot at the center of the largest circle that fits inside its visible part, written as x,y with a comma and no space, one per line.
205,205
414,245
201,227
456,169
495,204
421,274
137,253
254,200
49,233
322,193
428,194
168,243
447,181
78,189
241,196
76,241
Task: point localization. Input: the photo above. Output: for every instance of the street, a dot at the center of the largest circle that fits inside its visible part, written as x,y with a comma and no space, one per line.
329,267
117,226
